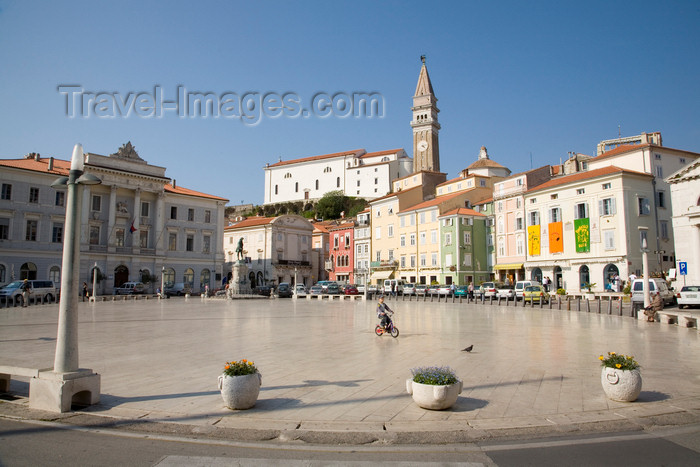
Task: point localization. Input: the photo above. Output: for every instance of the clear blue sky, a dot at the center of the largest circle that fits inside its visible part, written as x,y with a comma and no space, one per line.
528,80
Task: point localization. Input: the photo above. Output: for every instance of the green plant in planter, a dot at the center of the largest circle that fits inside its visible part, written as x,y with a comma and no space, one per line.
621,362
239,368
434,375
561,291
588,286
628,289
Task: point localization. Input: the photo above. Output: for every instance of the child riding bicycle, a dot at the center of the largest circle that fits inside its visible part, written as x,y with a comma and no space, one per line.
384,313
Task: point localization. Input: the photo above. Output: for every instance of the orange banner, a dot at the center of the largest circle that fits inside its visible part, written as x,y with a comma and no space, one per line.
556,237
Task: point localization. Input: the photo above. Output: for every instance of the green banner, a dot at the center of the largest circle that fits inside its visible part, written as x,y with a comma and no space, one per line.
582,230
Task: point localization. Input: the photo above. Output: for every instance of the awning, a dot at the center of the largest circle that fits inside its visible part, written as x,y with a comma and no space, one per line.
507,267
381,275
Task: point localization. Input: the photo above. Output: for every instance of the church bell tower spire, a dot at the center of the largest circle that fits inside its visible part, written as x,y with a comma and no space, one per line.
426,150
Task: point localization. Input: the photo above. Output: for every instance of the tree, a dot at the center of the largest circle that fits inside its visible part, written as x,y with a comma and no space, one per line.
331,205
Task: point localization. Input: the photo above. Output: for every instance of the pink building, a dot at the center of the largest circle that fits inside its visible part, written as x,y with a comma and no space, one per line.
341,260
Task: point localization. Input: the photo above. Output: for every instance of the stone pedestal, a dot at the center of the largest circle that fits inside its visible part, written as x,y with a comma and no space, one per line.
239,281
56,392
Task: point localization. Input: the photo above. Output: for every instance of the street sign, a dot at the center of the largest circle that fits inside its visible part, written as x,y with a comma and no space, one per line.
683,268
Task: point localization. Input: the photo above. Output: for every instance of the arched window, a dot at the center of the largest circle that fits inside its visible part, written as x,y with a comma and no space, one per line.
169,277
317,184
609,274
2,273
188,277
296,187
536,275
584,276
276,189
337,182
27,271
204,279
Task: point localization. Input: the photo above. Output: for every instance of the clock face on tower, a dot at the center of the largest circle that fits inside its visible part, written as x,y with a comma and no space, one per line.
423,145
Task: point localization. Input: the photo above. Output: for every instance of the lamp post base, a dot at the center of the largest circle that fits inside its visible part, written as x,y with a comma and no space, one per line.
57,392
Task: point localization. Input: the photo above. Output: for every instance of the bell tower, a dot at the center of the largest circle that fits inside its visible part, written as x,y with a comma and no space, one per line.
426,150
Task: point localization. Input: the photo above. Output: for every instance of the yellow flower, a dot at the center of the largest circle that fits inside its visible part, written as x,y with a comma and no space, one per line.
601,358
612,353
252,363
618,365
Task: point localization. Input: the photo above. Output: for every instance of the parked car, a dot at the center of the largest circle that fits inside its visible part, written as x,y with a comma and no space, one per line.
372,288
284,290
264,290
360,288
434,290
688,296
300,290
178,288
395,284
130,288
462,291
409,289
656,285
316,290
350,290
444,290
421,289
488,289
535,293
505,291
45,290
520,287
333,288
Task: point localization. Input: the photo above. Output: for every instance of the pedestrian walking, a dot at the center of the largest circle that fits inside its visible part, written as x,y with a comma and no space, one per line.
85,291
25,287
470,290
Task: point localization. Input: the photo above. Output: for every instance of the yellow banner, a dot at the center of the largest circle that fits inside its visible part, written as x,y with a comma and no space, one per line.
556,237
533,240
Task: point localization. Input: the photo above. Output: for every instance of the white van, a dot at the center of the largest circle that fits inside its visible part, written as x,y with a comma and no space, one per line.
656,284
520,287
39,290
397,285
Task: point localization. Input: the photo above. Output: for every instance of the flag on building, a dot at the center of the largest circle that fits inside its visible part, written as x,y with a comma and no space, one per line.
132,229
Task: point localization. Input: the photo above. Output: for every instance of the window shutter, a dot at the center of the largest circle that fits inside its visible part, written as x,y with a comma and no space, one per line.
613,208
600,208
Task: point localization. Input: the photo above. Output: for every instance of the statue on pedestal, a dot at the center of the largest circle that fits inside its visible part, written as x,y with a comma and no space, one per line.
239,249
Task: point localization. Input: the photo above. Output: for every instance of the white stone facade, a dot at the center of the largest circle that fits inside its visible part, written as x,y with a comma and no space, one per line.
275,248
135,224
685,200
355,173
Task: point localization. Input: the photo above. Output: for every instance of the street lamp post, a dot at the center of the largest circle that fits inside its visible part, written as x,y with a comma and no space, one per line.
94,281
56,390
162,282
645,272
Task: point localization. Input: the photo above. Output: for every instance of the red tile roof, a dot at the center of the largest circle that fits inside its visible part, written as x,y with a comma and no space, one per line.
356,153
609,170
186,191
433,202
483,201
463,212
251,222
60,167
623,148
381,153
395,193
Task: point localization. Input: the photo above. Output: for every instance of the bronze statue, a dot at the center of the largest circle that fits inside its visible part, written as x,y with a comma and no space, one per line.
239,249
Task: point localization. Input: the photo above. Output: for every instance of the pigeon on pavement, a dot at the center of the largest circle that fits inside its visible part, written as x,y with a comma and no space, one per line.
468,349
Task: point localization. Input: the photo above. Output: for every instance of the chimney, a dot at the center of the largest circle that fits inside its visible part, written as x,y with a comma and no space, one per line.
37,156
50,164
174,183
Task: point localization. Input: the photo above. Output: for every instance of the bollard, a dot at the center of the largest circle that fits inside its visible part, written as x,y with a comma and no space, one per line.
453,298
588,306
507,300
619,307
568,303
559,302
541,300
599,304
431,298
610,306
532,302
549,302
491,300
578,303
499,300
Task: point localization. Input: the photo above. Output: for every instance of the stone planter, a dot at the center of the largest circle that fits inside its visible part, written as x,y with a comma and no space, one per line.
434,397
240,392
621,385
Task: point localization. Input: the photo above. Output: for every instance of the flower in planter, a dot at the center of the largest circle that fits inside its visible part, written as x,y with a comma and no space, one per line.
239,368
434,375
621,362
